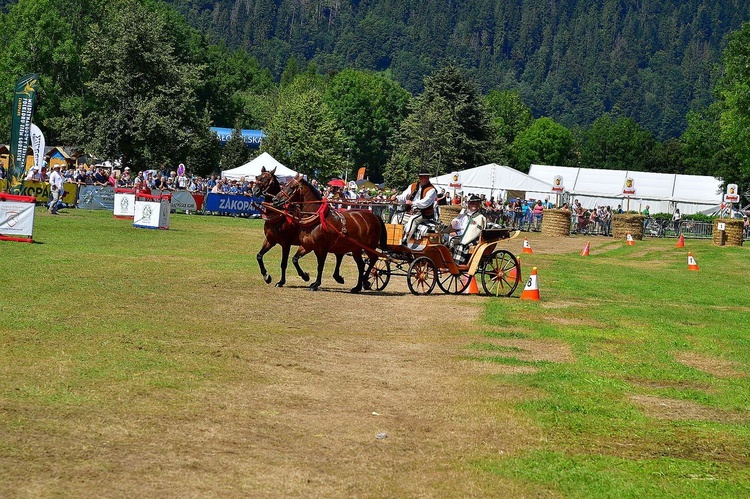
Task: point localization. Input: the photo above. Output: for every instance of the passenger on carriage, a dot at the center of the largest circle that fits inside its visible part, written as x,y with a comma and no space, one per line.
466,229
419,199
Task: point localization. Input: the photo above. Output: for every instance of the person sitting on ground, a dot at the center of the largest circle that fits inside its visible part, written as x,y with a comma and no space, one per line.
419,199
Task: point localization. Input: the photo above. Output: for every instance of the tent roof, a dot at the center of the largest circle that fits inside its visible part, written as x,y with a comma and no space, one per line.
252,169
657,186
492,177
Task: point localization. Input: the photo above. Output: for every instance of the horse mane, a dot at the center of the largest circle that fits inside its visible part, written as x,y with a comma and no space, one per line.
313,189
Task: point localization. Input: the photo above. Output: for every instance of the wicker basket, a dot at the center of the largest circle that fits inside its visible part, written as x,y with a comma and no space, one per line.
732,233
627,223
556,223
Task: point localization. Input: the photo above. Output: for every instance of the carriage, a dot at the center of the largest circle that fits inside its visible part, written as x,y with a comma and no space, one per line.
303,218
427,262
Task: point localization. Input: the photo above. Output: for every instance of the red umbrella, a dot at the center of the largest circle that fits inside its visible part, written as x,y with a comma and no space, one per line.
337,182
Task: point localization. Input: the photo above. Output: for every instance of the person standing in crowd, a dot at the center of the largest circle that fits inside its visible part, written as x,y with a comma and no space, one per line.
537,213
676,221
56,189
419,197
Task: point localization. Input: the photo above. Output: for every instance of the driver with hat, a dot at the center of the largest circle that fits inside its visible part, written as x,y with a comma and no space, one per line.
419,198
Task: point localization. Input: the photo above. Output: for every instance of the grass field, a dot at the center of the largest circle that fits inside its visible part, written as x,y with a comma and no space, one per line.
157,363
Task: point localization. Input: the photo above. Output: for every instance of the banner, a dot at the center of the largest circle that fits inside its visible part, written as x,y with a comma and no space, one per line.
37,145
97,197
23,110
228,203
361,173
41,191
183,200
16,216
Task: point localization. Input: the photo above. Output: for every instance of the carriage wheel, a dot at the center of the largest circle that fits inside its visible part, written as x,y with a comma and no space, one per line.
500,274
421,276
380,273
453,284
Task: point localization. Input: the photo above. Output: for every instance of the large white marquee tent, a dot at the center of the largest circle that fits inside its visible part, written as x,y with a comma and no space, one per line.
253,168
662,192
492,180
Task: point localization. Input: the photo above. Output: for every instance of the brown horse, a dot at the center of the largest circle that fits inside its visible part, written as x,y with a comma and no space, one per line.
280,230
324,230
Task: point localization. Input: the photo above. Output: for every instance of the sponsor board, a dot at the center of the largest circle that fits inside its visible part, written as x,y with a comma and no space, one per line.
227,203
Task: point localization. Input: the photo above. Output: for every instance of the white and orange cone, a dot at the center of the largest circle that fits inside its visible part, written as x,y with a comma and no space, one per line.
586,249
680,242
531,291
472,288
692,265
527,246
630,240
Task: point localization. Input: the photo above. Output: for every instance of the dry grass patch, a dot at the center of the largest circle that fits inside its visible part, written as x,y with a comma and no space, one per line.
715,366
683,410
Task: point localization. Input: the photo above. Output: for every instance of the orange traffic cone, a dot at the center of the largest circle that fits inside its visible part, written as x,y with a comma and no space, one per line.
472,289
691,262
531,291
586,249
630,240
681,242
515,271
527,246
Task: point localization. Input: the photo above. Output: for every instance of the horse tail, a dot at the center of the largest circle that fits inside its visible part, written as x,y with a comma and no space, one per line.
383,235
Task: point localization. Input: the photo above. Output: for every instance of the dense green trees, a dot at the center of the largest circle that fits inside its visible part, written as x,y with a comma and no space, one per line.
370,108
131,79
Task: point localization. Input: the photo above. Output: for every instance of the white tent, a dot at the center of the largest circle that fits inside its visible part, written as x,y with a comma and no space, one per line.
252,169
492,180
661,192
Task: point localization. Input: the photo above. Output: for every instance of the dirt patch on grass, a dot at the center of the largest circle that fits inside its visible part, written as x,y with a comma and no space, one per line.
529,350
716,366
683,410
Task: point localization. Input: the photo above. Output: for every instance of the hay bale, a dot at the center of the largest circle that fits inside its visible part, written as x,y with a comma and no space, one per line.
449,212
556,223
731,235
628,223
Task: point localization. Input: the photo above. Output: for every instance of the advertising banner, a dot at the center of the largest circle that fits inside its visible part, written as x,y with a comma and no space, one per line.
41,191
184,200
96,197
16,217
20,131
37,145
228,203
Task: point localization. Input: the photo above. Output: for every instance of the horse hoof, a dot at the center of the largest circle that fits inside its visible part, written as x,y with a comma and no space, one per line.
313,287
367,285
356,290
339,279
305,277
280,284
267,278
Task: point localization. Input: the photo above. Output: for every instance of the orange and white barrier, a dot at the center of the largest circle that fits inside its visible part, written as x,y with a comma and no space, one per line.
692,265
531,291
527,246
586,249
630,240
680,242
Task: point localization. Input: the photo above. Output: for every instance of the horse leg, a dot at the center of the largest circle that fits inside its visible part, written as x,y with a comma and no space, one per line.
321,264
295,260
360,270
284,260
263,250
336,274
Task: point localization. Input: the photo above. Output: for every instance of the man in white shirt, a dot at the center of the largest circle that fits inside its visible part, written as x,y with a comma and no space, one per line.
56,189
419,198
